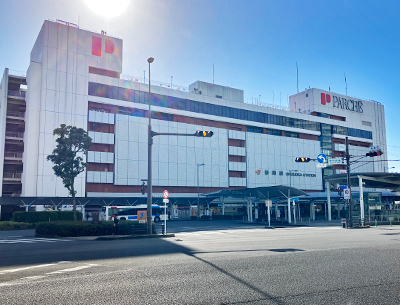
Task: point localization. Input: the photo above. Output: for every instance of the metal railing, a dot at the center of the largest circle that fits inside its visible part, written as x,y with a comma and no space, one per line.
145,80
16,114
12,175
19,93
12,195
15,134
14,155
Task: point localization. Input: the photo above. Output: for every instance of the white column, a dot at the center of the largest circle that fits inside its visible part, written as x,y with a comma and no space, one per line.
328,197
361,199
248,210
223,205
288,204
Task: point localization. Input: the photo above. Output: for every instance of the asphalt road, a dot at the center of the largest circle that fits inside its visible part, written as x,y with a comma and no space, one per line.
237,265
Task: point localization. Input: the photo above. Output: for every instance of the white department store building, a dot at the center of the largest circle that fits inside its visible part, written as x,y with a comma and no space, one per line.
74,78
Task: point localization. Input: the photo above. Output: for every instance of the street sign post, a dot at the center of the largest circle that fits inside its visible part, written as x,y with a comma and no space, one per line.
165,214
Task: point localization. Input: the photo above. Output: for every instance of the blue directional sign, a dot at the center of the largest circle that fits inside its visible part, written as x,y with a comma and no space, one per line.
321,158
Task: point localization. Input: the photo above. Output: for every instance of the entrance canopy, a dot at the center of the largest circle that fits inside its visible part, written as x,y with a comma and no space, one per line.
271,192
371,180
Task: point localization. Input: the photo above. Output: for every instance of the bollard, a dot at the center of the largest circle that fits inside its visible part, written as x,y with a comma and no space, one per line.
163,229
390,222
376,223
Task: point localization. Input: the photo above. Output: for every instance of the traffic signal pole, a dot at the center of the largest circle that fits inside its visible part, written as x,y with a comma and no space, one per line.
350,222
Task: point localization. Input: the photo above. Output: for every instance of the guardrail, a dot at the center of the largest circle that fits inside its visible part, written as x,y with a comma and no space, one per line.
15,134
15,155
12,195
19,93
12,175
16,114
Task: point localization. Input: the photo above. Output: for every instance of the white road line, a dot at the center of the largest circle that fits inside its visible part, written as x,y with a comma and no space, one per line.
32,240
72,269
15,241
26,268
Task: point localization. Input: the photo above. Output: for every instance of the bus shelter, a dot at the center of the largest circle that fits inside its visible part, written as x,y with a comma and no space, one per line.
276,194
370,180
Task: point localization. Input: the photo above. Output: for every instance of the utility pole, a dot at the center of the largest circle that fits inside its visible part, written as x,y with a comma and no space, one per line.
349,183
149,165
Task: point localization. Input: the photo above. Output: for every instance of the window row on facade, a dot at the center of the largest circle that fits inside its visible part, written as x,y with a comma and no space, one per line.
135,96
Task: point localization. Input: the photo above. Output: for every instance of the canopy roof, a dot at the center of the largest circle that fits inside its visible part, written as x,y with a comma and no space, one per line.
270,192
372,180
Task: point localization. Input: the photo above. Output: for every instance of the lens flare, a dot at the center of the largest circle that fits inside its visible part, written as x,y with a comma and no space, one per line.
107,8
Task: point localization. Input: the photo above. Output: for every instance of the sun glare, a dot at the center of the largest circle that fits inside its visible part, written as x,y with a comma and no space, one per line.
107,8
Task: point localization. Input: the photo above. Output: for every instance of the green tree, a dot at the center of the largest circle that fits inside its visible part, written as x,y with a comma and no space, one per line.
72,144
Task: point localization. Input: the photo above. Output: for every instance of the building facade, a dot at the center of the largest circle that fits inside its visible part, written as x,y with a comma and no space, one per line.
74,78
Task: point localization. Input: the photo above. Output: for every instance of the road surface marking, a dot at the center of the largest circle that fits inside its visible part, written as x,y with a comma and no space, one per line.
72,269
31,240
26,268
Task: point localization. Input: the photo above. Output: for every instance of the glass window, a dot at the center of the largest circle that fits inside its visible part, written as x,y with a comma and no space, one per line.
100,90
113,92
123,94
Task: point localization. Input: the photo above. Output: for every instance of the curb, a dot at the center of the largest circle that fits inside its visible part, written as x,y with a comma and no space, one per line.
118,237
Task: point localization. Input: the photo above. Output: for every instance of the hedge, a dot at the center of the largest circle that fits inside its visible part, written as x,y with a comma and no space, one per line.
45,216
85,228
11,225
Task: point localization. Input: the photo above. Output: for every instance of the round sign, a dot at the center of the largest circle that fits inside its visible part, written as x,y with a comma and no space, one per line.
165,194
321,158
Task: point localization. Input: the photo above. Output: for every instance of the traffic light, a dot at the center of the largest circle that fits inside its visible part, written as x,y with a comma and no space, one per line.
339,191
204,134
143,188
374,153
299,159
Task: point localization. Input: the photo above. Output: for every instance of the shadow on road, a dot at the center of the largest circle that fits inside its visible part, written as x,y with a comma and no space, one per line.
98,250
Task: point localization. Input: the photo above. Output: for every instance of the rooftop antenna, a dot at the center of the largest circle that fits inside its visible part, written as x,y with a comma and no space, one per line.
213,73
345,80
297,68
280,99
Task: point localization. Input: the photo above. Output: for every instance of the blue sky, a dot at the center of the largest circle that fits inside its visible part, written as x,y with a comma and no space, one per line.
254,45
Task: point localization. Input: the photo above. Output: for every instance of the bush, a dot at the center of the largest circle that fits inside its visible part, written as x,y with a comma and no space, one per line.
11,225
45,216
85,228
141,228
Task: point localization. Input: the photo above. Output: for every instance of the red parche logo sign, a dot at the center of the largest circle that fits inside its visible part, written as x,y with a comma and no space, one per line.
347,104
96,46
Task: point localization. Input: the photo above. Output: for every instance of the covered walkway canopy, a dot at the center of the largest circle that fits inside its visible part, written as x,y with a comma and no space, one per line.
277,192
369,180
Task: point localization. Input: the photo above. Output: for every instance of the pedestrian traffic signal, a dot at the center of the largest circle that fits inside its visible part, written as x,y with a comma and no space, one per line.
374,153
299,159
339,190
204,134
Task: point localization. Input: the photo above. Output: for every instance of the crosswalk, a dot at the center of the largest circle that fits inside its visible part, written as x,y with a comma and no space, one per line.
32,240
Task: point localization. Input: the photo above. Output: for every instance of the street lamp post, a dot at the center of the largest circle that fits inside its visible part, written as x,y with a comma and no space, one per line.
149,165
198,191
